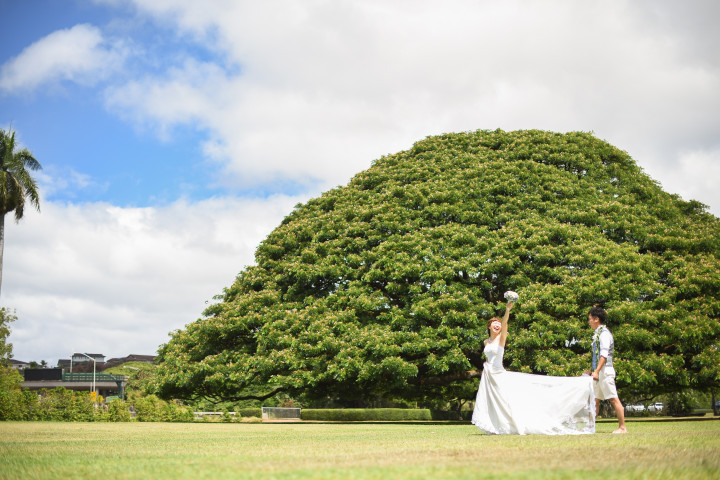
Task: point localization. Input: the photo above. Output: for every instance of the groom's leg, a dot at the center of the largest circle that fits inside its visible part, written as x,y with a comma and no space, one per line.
620,412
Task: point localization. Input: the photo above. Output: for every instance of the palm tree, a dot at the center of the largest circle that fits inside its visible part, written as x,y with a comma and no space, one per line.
16,184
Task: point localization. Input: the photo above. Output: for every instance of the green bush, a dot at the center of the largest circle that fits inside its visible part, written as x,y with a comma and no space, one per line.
226,417
29,406
63,405
118,411
680,404
11,395
365,415
249,412
150,409
177,412
58,404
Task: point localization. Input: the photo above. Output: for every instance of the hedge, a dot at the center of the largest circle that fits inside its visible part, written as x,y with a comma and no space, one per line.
365,415
451,415
249,412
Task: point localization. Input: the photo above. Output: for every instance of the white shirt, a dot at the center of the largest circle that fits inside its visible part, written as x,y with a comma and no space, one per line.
607,344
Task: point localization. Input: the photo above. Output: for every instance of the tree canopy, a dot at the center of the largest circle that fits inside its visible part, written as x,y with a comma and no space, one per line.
16,183
384,286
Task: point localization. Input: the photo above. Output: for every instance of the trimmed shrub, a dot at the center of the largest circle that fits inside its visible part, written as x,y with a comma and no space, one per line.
118,411
365,415
465,415
249,412
251,420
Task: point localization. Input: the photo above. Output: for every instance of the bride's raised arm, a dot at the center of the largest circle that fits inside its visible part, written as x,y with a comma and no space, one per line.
504,329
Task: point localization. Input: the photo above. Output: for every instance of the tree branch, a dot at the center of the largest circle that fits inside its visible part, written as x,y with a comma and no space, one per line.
257,397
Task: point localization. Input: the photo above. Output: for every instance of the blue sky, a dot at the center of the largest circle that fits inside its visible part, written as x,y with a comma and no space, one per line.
70,129
176,134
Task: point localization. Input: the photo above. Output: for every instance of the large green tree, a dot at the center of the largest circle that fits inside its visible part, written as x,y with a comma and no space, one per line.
384,286
16,184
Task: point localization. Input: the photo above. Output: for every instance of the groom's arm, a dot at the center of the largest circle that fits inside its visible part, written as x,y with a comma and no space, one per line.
601,363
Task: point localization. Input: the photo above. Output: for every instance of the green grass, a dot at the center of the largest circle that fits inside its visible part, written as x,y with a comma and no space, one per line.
653,449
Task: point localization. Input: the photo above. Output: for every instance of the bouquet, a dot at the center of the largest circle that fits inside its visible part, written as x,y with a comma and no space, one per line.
511,296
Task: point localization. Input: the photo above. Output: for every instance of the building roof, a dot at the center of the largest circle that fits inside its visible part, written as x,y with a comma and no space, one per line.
18,364
93,355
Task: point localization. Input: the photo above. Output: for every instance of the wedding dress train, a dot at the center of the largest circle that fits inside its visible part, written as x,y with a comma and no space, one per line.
522,403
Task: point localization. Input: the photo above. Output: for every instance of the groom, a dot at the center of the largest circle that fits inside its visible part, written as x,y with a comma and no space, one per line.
602,366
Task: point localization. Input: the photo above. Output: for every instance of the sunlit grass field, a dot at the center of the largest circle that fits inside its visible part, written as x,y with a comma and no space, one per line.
652,449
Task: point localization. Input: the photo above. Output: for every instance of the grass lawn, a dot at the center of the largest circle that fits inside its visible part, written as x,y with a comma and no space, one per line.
653,449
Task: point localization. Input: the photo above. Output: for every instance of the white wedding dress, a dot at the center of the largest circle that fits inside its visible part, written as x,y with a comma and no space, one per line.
522,403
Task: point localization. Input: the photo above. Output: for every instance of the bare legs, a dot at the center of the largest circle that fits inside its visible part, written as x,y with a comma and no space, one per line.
619,411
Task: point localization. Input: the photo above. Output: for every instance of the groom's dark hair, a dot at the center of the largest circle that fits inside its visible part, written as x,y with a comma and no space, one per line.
599,313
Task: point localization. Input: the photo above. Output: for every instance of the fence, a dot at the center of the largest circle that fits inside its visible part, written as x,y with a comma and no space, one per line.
279,413
89,377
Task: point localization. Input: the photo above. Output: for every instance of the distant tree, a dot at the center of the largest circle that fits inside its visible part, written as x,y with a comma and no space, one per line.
16,183
12,404
138,375
384,286
10,380
6,317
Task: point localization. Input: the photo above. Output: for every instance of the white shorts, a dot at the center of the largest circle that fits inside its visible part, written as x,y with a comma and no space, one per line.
604,386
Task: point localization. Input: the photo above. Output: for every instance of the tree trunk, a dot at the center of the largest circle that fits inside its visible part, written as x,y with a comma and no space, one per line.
2,245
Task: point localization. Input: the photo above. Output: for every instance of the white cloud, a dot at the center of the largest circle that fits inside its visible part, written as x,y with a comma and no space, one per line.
116,281
312,92
189,94
694,176
79,54
55,180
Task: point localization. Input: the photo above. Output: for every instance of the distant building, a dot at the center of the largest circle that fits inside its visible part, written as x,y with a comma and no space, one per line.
82,358
18,364
48,378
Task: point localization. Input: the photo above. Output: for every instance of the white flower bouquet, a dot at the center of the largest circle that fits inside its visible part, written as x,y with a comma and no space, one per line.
511,296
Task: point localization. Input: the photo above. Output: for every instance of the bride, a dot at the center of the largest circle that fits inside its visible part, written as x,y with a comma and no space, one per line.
522,403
